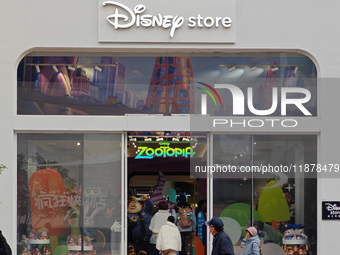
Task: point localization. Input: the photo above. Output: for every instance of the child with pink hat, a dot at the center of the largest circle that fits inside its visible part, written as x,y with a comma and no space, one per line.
252,242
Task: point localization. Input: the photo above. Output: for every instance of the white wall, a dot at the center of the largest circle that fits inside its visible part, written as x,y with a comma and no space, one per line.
309,26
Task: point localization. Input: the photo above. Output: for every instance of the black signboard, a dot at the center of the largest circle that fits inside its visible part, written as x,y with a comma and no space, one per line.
331,210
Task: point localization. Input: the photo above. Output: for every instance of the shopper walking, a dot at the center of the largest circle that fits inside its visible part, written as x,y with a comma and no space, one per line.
222,244
252,242
169,238
157,221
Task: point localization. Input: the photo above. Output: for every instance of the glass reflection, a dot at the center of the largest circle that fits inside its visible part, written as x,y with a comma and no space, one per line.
69,193
118,85
280,205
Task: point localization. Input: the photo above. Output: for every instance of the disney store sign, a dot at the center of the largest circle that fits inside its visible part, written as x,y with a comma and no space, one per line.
166,21
331,210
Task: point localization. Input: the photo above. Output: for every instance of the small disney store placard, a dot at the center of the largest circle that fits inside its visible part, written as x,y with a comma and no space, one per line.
331,210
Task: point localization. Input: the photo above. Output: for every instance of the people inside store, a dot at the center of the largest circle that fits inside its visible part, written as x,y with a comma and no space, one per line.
201,216
158,220
186,223
169,238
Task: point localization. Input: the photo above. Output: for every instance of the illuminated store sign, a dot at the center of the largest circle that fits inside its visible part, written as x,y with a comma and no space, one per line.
145,152
170,21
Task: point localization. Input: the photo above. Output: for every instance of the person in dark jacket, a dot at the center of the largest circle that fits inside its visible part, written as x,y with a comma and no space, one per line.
222,244
4,247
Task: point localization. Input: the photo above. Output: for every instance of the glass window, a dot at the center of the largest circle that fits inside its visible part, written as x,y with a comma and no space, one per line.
275,197
118,85
69,193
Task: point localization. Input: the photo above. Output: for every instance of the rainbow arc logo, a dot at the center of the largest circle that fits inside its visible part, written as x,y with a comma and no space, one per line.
209,93
204,97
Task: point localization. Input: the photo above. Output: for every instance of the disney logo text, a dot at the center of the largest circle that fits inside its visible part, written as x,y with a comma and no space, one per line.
331,207
124,17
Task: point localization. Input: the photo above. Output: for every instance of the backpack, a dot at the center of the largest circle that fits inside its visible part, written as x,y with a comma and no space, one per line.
185,217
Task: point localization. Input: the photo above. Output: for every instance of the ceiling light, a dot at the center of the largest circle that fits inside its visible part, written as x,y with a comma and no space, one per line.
133,139
296,69
231,69
55,68
193,139
71,68
274,69
98,68
37,69
253,68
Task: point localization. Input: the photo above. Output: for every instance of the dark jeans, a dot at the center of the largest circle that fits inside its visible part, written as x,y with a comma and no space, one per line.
186,243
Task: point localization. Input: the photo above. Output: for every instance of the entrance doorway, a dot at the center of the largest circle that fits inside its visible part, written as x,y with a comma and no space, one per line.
160,184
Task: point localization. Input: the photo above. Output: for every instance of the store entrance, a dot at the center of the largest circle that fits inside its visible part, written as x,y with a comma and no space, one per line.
160,185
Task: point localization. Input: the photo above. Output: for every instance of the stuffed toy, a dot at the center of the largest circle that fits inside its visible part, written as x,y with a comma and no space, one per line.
139,218
299,234
289,234
302,251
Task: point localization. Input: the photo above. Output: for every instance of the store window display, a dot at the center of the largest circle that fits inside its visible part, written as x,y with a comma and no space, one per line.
275,203
65,210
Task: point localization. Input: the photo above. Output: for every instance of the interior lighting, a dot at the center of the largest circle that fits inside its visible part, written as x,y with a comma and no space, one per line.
274,69
133,139
37,68
98,68
55,68
175,139
231,68
253,68
71,68
159,139
147,139
186,139
296,69
193,139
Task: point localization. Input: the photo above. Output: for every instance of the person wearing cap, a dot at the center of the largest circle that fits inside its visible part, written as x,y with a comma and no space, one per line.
222,244
252,242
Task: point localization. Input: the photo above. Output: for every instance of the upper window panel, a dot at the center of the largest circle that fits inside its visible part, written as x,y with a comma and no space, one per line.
266,84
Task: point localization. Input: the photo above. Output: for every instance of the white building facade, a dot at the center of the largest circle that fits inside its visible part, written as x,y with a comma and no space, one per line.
159,59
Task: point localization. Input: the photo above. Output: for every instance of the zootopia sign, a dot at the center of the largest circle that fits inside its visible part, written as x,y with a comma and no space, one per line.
164,150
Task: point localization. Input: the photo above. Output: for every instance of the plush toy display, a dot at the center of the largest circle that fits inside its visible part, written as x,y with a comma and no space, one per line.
289,234
299,234
46,251
294,240
139,218
72,218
